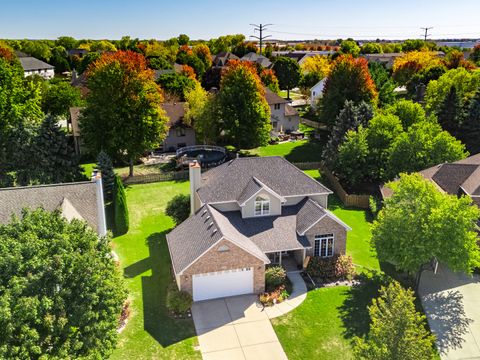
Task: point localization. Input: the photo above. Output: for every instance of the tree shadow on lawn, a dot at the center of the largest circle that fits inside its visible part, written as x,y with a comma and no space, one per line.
311,151
354,310
164,329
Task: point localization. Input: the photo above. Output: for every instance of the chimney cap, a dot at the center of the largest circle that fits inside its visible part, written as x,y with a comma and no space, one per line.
194,164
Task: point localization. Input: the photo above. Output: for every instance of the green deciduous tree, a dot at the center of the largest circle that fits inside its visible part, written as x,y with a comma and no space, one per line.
120,206
353,155
423,145
348,80
176,84
419,222
383,82
397,330
59,98
245,113
61,292
349,47
123,115
469,131
408,112
288,73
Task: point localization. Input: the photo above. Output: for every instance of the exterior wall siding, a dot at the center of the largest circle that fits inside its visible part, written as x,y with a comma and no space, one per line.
172,140
275,205
231,206
214,260
282,122
328,226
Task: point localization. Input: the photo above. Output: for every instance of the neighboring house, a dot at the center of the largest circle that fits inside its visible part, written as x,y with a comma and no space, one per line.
301,56
33,66
73,128
179,134
316,92
77,52
458,178
257,59
245,214
283,116
222,58
78,200
386,59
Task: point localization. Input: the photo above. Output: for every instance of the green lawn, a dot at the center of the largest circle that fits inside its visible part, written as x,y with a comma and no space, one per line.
294,151
144,257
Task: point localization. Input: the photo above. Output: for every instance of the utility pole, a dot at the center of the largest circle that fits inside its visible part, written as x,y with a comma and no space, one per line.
260,28
426,31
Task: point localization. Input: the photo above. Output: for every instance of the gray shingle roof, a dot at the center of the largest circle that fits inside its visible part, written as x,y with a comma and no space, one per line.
74,199
308,215
175,113
253,186
273,98
228,181
189,240
270,233
30,63
451,176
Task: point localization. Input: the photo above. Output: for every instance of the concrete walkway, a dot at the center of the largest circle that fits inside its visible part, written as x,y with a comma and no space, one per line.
235,328
298,295
451,303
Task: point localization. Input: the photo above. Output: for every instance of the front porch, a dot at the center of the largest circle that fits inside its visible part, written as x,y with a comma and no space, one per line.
291,260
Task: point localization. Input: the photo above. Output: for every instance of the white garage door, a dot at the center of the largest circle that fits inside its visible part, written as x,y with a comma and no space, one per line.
223,283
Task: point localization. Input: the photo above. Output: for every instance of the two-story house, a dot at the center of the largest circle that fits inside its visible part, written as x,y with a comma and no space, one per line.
245,214
283,116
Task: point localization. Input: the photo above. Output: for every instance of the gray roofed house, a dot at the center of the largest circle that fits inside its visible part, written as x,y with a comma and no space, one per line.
78,200
180,134
461,177
245,214
257,59
34,66
283,116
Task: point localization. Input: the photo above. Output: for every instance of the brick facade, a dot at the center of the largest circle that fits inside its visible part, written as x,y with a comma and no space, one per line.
214,260
328,226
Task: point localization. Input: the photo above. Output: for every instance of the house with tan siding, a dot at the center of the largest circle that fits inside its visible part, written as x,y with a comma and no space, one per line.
246,214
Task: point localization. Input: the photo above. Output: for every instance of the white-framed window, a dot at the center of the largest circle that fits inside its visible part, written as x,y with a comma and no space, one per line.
276,106
262,205
323,246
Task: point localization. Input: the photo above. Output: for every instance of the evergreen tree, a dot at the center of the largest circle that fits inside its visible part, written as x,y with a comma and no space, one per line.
449,112
470,127
350,118
104,164
54,159
397,330
120,207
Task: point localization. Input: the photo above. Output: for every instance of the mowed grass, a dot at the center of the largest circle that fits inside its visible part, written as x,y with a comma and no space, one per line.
150,333
293,151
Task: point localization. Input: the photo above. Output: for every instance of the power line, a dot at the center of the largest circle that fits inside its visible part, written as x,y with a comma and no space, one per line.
426,31
260,28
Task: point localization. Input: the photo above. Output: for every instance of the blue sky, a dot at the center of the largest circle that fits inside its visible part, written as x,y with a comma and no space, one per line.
301,19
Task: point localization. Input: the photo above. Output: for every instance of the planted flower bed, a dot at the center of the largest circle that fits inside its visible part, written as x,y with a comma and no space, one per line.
277,286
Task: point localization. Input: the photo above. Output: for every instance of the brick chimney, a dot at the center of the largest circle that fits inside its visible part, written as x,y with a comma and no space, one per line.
195,176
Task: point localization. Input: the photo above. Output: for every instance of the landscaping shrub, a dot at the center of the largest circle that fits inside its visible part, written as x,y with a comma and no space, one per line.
120,207
178,302
179,208
274,277
338,267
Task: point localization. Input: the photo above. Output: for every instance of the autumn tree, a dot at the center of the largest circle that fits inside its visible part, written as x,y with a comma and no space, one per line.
270,80
432,217
348,80
288,73
186,56
410,63
62,294
318,64
245,113
397,330
475,55
123,115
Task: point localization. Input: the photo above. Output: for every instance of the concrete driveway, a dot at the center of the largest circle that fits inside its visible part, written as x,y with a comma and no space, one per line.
452,304
235,328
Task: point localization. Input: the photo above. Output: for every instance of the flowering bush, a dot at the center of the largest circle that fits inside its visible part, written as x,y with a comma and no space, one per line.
338,267
274,277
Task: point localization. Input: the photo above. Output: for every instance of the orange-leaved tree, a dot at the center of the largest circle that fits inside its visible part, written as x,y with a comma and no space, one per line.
269,79
412,62
123,115
349,79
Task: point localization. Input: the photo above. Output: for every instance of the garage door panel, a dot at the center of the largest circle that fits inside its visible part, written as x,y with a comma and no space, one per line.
222,284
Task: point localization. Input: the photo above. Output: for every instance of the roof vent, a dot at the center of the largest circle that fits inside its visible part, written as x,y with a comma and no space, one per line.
208,217
204,211
214,231
210,225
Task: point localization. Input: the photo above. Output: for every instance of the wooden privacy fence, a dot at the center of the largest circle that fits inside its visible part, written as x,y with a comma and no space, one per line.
150,178
360,201
314,124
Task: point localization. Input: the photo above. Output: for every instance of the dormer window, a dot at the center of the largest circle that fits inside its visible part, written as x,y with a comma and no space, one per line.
262,205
